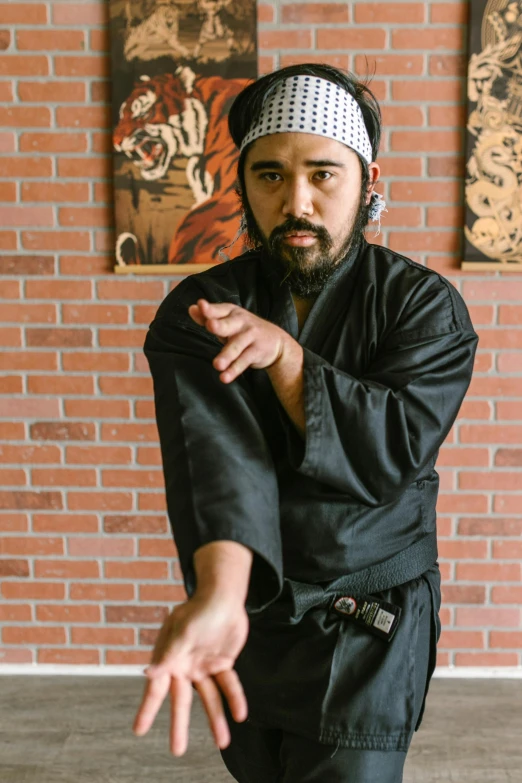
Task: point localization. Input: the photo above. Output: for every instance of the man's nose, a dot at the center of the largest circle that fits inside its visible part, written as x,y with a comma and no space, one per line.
298,199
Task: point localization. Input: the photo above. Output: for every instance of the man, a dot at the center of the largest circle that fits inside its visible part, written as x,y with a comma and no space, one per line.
302,393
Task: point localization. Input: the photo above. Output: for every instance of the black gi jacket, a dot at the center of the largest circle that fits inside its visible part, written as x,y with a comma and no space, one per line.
388,355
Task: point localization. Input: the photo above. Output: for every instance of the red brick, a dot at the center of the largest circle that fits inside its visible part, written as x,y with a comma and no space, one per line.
463,594
34,635
63,477
6,88
446,167
58,289
14,523
84,65
55,240
56,613
500,338
507,549
406,241
425,191
98,409
428,39
53,142
31,546
98,455
104,191
96,314
127,658
10,337
450,13
507,504
99,501
448,65
153,570
448,90
14,477
68,656
50,40
86,265
459,502
402,115
26,167
101,547
131,386
167,593
491,617
265,13
14,655
510,314
130,290
15,613
96,362
83,116
67,569
84,216
22,360
13,567
132,478
389,64
508,457
488,572
135,615
26,216
510,410
7,142
26,265
490,433
447,116
132,338
51,92
46,591
490,480
29,408
144,409
313,13
8,240
8,191
463,550
445,216
507,595
84,167
65,523
47,430
25,116
503,639
481,314
475,409
152,501
10,430
70,13
285,39
495,387
11,384
99,40
491,526
55,191
102,636
426,141
30,500
66,338
157,547
129,432
350,38
60,384
409,13
104,241
486,659
101,592
10,288
461,640
135,524
24,65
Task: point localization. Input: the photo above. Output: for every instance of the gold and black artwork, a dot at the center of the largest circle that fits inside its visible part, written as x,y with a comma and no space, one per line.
493,191
177,66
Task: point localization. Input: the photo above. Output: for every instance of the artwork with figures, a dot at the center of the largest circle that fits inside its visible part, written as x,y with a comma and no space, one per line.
177,66
493,190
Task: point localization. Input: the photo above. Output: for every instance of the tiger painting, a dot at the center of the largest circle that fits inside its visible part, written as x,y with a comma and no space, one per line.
184,115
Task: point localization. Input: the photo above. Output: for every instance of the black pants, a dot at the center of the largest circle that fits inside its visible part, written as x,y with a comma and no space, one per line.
263,754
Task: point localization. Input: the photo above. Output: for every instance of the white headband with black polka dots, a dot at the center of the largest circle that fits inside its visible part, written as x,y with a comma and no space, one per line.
307,104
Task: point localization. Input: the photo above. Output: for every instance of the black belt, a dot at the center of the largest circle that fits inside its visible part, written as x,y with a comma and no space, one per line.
408,564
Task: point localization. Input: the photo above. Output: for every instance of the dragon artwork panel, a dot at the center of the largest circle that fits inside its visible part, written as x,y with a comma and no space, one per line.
177,66
493,188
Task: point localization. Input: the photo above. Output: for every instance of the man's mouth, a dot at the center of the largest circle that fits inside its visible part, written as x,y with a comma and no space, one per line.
299,238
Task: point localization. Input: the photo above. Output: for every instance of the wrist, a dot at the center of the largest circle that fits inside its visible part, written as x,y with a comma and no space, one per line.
223,571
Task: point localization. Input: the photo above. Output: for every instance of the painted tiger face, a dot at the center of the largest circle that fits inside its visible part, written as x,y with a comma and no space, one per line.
160,119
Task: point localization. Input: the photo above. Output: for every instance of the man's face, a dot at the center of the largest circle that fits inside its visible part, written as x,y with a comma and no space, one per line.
304,195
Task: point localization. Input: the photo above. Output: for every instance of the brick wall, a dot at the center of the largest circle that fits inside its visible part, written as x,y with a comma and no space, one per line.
87,567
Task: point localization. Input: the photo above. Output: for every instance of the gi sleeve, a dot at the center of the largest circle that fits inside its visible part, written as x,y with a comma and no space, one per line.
372,436
219,475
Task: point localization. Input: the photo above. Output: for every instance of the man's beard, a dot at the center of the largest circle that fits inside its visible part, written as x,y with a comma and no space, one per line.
307,269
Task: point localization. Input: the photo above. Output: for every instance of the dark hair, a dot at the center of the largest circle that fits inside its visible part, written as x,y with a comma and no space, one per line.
248,104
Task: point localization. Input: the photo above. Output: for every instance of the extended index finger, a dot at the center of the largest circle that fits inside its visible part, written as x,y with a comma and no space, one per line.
216,309
155,691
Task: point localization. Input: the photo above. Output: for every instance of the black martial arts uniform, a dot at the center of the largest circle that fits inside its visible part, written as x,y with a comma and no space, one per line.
388,355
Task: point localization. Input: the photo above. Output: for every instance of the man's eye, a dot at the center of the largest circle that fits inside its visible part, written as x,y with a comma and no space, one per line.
270,176
323,174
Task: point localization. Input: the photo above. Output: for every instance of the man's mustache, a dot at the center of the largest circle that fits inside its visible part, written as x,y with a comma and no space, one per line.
296,224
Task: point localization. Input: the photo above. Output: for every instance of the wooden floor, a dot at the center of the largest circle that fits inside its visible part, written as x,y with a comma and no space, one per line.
78,730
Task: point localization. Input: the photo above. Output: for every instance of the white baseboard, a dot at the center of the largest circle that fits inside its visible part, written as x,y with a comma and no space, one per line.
456,672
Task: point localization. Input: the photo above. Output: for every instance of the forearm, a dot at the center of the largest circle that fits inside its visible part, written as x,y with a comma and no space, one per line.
223,568
286,376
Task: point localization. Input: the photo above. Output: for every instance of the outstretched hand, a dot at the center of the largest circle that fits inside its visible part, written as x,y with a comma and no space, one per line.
250,341
197,644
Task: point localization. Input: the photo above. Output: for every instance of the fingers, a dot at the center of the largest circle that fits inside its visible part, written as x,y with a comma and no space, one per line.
232,689
180,703
211,698
245,360
153,697
233,349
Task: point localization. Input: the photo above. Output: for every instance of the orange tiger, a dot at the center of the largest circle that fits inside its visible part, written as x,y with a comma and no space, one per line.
185,115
